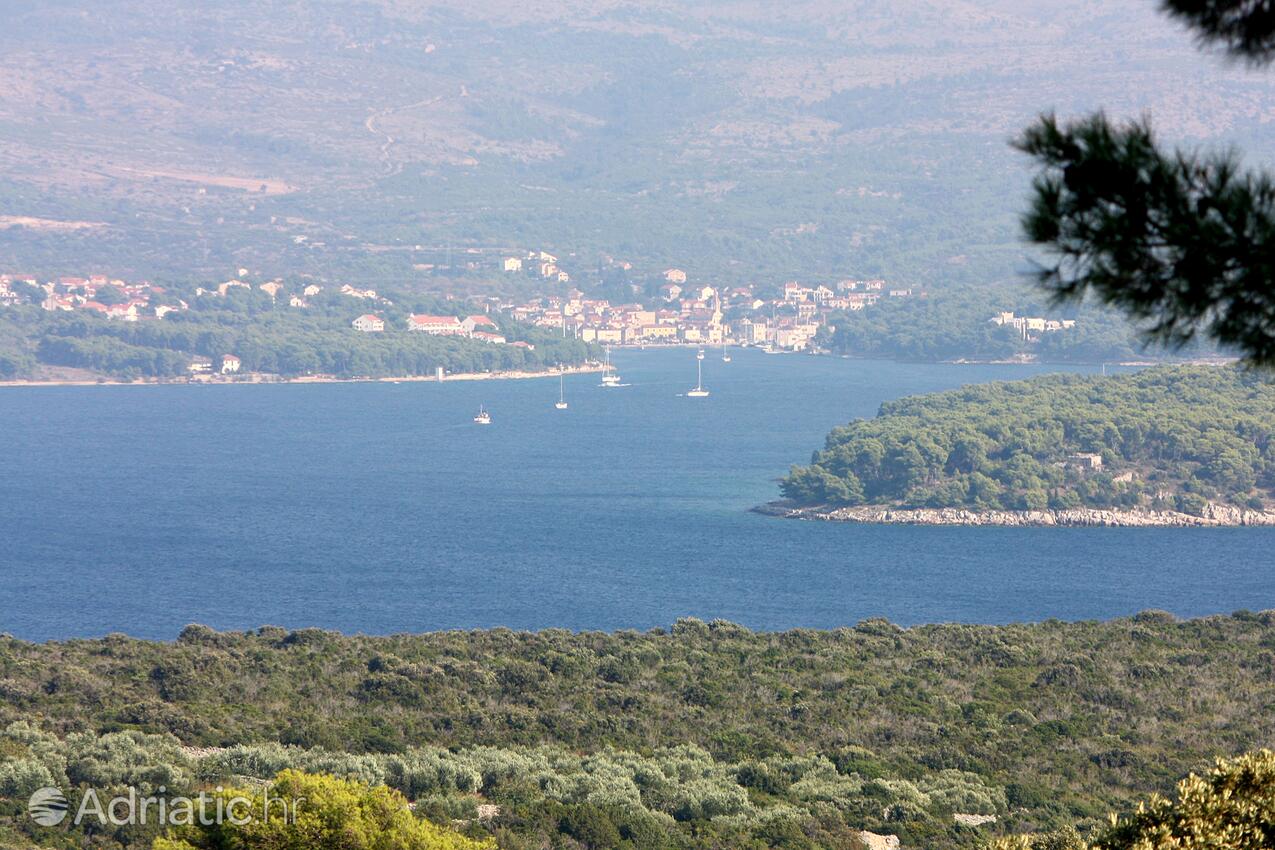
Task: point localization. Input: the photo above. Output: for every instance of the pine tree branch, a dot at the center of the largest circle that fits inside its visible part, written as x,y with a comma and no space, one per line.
1184,244
1244,28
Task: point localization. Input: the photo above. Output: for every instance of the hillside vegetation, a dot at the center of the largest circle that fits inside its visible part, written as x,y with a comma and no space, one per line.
820,138
952,323
703,735
1231,806
1169,438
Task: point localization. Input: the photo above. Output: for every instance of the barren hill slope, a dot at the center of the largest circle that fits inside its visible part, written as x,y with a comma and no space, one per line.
812,137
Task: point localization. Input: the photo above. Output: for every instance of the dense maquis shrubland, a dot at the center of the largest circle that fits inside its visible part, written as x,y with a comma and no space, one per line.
269,337
702,735
1173,437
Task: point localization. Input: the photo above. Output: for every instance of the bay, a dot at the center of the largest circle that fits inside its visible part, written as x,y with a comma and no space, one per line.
379,508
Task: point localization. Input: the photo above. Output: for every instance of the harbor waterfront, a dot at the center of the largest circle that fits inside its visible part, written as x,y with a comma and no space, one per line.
237,506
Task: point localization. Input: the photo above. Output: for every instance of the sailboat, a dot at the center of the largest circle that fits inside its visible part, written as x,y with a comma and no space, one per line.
699,391
483,417
725,353
562,397
609,378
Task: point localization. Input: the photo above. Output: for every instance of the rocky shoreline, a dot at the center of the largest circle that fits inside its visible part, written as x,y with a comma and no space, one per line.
267,378
1214,516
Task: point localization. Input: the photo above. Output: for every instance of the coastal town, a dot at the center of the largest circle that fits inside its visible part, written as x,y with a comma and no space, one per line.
689,313
681,312
669,307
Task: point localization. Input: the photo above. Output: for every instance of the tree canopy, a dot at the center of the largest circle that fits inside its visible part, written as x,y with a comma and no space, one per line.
1183,244
325,813
1231,807
701,736
1244,28
1174,437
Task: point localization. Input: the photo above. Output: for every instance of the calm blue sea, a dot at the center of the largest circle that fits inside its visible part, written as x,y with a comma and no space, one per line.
382,508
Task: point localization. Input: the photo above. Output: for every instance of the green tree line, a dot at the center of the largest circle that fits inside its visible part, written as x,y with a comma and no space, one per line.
270,337
1170,437
707,730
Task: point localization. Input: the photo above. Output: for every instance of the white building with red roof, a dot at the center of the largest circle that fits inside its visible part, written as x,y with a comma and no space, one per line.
484,336
474,323
436,325
129,311
368,324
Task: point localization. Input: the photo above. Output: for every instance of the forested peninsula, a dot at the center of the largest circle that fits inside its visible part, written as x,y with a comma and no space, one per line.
1186,445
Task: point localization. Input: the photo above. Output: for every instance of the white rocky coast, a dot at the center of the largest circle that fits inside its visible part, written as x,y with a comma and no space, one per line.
1213,515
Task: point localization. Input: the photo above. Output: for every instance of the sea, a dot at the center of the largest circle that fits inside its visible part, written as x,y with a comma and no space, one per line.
383,508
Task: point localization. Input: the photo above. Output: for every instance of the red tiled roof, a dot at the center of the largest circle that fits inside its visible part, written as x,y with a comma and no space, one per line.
433,320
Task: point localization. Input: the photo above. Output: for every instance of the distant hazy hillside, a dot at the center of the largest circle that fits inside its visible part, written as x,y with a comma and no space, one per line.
802,138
